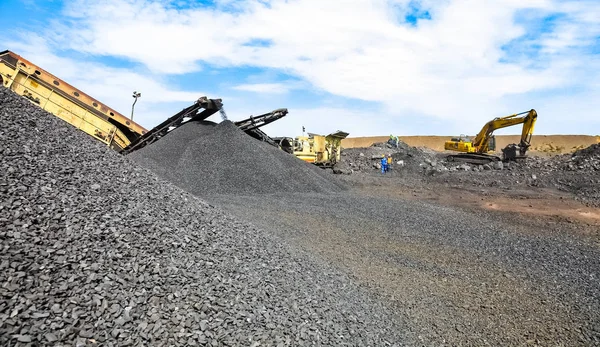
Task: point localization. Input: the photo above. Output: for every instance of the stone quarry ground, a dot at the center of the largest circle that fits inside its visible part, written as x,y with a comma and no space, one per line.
194,248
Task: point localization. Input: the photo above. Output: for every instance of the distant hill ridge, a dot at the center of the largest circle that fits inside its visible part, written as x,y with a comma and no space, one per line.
550,144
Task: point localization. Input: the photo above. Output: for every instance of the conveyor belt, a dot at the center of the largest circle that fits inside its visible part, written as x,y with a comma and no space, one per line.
251,125
200,110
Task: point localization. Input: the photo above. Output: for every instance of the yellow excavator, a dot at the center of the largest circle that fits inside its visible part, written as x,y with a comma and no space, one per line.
476,151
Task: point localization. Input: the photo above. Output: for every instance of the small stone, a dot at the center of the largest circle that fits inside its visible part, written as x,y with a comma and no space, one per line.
203,325
37,315
50,337
23,338
86,333
80,342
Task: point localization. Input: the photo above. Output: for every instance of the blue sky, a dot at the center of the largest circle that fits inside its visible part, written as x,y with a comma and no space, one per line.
369,67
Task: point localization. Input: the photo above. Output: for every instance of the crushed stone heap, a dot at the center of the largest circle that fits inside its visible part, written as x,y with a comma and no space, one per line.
97,251
584,159
204,158
367,159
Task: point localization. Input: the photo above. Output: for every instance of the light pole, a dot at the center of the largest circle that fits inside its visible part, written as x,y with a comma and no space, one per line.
136,95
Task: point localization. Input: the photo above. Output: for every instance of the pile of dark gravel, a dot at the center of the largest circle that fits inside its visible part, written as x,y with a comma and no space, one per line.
577,173
97,251
406,159
587,159
205,158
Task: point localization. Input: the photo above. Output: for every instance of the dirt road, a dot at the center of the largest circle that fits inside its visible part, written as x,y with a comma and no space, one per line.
459,268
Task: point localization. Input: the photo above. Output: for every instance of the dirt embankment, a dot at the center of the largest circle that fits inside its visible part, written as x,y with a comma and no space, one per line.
540,143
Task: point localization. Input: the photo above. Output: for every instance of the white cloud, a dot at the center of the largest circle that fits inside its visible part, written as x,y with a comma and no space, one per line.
269,88
324,120
112,86
447,68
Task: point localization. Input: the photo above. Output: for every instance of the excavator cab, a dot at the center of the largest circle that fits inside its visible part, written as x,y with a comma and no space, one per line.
492,143
461,138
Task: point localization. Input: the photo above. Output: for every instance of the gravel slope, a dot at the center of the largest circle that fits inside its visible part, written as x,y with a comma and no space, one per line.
95,250
455,277
204,158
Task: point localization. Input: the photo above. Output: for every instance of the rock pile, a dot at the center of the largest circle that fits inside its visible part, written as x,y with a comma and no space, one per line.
577,173
204,158
586,159
367,160
96,251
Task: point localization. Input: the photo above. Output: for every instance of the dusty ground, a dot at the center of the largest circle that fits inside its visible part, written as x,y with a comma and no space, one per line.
526,202
551,144
459,266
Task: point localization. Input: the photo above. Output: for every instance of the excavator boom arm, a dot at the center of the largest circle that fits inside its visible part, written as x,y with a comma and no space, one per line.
481,142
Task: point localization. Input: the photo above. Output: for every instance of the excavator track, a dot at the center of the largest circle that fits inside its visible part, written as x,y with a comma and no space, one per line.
473,158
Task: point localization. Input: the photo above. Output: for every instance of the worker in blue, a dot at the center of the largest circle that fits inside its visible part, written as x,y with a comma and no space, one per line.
383,165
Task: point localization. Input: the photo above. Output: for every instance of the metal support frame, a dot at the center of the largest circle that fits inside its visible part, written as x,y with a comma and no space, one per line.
136,95
193,113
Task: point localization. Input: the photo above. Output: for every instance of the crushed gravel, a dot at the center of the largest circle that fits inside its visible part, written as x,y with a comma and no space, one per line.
204,158
455,277
577,173
97,251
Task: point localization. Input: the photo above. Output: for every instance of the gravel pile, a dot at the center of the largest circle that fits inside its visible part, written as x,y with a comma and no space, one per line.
587,159
577,173
367,160
221,159
458,277
96,251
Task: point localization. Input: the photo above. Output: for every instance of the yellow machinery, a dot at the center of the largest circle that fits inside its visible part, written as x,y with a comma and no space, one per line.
320,150
475,151
86,113
67,102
